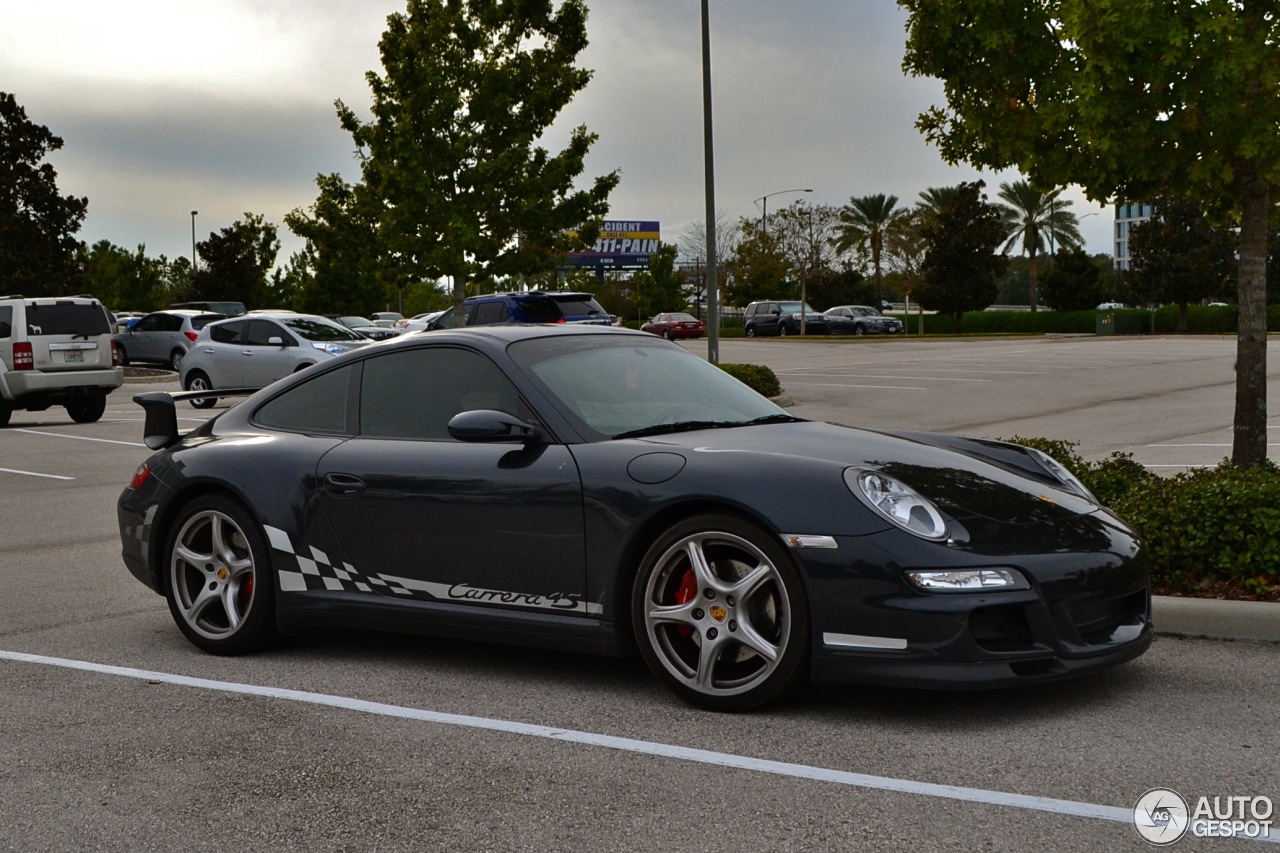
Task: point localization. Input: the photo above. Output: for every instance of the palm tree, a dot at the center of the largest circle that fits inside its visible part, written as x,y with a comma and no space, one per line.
863,224
934,199
1031,216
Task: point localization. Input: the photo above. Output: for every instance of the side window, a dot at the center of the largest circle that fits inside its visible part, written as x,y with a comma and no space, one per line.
317,405
751,310
169,323
414,393
470,308
489,313
149,323
227,333
6,321
260,331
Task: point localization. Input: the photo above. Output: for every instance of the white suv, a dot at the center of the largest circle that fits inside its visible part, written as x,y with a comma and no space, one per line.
56,351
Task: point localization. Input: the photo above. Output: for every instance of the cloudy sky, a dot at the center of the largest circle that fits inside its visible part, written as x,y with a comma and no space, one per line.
226,107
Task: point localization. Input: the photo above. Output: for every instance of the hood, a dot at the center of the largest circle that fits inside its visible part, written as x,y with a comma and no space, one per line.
964,485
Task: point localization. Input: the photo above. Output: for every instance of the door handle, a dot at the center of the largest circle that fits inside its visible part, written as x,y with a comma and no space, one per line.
343,485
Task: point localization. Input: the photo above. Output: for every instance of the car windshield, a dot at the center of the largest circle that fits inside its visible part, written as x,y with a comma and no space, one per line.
863,311
796,308
611,387
317,329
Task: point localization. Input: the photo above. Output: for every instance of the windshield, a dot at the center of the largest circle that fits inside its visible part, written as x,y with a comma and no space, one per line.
863,311
609,386
318,329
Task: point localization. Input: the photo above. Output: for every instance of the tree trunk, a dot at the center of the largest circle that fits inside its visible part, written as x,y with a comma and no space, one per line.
1249,446
1031,269
1182,318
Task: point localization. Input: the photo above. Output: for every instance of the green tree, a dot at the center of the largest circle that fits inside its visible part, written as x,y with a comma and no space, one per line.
661,287
1074,282
1178,256
338,269
38,247
1130,99
451,168
123,280
236,262
1030,216
805,236
961,265
757,269
863,227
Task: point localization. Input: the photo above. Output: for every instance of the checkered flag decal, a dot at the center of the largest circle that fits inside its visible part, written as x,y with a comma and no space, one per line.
317,572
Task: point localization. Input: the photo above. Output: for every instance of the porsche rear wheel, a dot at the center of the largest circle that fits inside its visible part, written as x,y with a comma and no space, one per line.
720,614
217,580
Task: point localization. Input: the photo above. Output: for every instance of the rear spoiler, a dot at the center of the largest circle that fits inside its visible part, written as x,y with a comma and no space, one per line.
161,427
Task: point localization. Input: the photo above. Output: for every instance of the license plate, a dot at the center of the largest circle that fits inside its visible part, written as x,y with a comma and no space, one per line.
73,356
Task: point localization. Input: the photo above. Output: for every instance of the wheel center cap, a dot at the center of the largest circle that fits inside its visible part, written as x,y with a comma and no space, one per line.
223,574
718,613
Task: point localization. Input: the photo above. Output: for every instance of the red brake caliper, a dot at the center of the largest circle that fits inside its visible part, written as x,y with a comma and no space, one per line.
684,594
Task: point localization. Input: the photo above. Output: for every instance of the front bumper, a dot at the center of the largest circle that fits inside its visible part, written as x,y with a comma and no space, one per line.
1085,611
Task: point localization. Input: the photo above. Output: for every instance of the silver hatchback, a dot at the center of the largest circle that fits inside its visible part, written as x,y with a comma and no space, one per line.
162,337
254,351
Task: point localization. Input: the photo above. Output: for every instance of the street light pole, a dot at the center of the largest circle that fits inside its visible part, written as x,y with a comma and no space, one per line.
193,240
764,210
713,288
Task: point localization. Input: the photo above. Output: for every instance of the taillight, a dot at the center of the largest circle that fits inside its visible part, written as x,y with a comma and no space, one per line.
140,476
562,320
191,336
23,357
115,354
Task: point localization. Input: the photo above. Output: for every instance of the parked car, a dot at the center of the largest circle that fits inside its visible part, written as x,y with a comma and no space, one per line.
782,317
364,326
604,490
377,317
253,352
533,306
418,322
226,308
1110,306
162,337
56,351
125,319
861,320
673,326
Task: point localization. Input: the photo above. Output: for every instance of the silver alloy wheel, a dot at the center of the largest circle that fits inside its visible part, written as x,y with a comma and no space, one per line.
175,360
198,382
717,614
211,575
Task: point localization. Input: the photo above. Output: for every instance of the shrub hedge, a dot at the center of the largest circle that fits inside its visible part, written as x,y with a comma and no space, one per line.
1208,531
757,376
1201,320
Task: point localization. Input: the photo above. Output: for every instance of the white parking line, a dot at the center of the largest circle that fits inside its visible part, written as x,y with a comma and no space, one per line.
34,474
80,437
642,747
851,385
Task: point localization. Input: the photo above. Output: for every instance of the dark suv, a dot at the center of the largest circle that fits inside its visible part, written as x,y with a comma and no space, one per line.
534,306
782,317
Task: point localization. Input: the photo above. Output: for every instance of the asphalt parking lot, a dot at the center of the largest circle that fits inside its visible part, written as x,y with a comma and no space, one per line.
116,734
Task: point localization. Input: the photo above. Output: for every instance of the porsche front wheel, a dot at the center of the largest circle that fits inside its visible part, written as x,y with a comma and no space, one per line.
720,614
217,580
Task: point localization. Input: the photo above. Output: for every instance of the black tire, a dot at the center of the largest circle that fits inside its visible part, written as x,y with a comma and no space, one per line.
667,334
87,409
197,381
751,331
217,578
859,330
744,595
782,330
6,411
123,355
175,359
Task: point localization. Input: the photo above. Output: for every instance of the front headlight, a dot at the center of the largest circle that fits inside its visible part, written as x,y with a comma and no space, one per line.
1059,472
966,580
330,348
897,502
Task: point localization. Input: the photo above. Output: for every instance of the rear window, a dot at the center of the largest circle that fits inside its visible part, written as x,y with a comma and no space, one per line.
200,321
6,321
539,309
575,306
67,318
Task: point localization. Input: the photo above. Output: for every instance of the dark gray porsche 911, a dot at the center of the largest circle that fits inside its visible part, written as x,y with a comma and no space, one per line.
595,489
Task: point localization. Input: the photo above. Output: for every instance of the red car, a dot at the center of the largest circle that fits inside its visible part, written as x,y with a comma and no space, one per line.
672,326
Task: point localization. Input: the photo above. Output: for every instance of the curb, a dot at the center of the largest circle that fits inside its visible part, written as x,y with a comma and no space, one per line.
148,376
1216,619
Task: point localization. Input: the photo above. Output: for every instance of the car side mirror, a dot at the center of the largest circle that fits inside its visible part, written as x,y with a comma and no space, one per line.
276,341
489,425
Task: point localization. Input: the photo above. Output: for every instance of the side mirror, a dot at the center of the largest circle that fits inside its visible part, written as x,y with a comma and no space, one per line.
488,425
276,341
